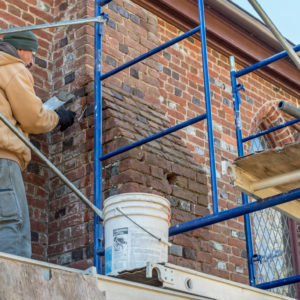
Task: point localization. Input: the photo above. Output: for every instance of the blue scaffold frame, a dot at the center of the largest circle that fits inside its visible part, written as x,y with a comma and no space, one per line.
207,116
236,88
217,216
244,209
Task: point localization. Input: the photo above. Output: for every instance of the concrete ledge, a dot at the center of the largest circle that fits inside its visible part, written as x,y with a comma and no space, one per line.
22,278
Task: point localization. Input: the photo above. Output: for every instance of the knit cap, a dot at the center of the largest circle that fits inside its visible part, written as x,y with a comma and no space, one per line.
23,40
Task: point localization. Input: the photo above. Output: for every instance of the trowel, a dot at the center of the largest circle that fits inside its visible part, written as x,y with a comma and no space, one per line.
57,101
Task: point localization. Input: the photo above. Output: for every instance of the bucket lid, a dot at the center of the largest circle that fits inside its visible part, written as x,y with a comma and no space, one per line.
137,197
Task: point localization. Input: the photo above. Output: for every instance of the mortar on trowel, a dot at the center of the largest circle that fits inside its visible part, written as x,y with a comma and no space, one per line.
57,101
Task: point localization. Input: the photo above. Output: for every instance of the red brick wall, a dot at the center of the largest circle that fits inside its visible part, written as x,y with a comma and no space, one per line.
148,97
70,223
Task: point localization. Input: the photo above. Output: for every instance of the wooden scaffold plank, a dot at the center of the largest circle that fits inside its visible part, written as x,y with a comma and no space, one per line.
270,172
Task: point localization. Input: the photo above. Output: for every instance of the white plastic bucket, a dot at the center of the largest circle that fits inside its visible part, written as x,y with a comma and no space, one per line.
127,246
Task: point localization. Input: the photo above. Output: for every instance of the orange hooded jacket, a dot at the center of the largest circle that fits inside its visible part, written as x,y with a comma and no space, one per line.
19,103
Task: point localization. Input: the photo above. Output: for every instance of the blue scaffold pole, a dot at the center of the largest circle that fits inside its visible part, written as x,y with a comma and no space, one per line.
264,62
150,53
214,186
154,137
279,282
235,212
103,2
239,137
275,128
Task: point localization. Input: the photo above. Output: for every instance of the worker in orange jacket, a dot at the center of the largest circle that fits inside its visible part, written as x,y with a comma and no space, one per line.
19,103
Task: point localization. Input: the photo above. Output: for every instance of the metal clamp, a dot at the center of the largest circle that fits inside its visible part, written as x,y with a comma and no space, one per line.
103,2
185,280
257,258
164,274
103,18
240,87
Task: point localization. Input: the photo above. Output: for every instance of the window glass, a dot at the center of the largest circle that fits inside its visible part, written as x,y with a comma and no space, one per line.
272,241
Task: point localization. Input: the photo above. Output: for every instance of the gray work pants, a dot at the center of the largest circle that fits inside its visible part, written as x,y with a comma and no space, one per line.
15,236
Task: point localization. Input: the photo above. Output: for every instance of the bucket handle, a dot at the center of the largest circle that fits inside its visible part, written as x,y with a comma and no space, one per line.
144,229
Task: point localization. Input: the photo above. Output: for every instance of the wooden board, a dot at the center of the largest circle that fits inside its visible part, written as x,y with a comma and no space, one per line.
267,164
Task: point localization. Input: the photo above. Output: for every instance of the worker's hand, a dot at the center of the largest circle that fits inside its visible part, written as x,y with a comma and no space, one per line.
66,118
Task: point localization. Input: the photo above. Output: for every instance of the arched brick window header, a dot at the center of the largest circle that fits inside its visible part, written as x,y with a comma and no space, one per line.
269,116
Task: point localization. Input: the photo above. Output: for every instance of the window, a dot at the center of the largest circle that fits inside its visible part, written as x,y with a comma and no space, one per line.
272,241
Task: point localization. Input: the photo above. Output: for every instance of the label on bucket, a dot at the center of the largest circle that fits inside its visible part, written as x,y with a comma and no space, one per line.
144,248
132,248
120,248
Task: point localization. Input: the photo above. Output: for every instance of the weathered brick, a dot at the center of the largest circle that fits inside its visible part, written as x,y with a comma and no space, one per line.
111,23
134,73
221,265
189,253
204,257
111,61
173,201
167,71
138,93
63,6
123,12
123,48
63,42
65,258
196,100
197,187
178,92
175,75
34,236
184,194
135,19
167,55
77,254
184,205
40,62
184,171
176,250
33,168
70,78
126,88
